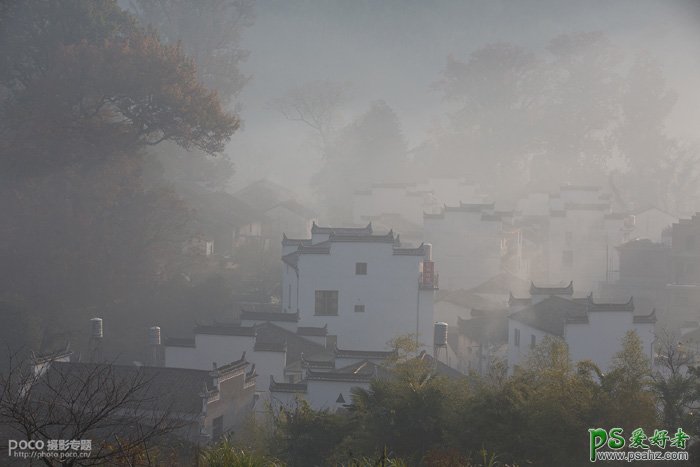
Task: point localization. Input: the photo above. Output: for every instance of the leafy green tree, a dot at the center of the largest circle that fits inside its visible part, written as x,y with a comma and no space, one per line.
304,437
676,383
627,386
226,454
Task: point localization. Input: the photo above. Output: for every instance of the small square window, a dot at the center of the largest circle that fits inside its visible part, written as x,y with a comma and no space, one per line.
359,308
361,269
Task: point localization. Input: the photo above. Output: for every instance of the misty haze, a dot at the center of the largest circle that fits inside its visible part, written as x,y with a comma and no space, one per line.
350,233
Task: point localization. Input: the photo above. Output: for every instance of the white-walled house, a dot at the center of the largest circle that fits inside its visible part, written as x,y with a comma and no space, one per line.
268,346
592,331
343,287
365,288
452,191
651,223
400,199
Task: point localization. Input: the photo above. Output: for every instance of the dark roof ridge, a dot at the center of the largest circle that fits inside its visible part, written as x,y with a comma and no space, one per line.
225,329
179,342
568,290
312,330
286,387
340,353
315,228
645,319
336,376
232,366
513,300
269,316
626,306
295,241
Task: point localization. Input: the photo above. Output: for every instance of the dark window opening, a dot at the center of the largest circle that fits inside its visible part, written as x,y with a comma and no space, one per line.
218,427
361,269
326,302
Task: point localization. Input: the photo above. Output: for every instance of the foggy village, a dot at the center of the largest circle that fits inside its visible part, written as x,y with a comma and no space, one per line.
349,233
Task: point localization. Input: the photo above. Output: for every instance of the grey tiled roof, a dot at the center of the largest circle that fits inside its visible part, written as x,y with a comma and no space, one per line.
441,369
179,342
287,387
159,387
295,241
551,314
269,316
342,237
375,354
646,319
568,290
512,300
225,329
491,327
323,364
312,331
366,230
593,306
470,207
502,283
419,251
269,333
312,375
270,346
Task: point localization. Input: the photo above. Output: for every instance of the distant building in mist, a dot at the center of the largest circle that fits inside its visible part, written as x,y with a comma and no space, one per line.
663,274
400,206
472,243
684,284
478,321
572,235
652,223
645,272
403,200
277,211
592,330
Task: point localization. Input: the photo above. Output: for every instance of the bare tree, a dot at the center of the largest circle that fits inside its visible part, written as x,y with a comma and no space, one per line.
115,407
315,104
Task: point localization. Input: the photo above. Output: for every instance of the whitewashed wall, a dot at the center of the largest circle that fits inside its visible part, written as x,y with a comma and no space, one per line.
601,338
466,248
394,305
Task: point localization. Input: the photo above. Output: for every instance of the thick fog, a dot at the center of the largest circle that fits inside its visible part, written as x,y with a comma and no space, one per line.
396,51
331,230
